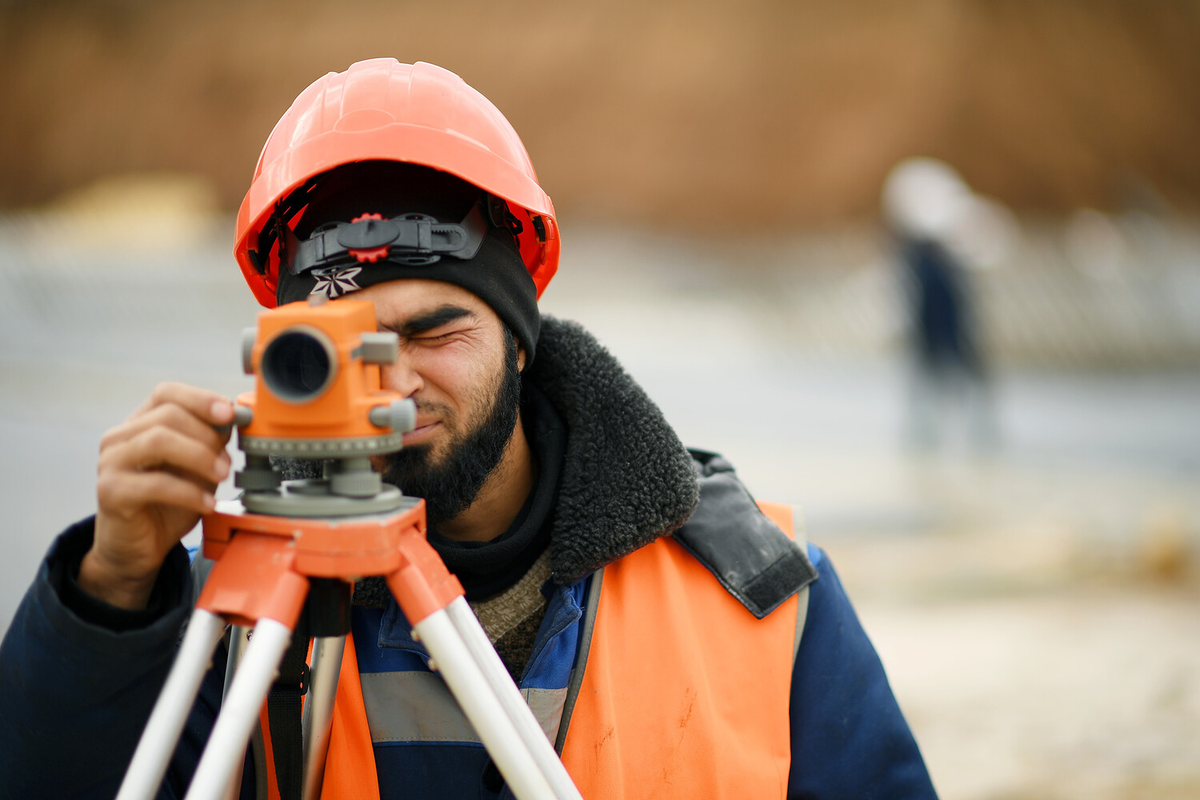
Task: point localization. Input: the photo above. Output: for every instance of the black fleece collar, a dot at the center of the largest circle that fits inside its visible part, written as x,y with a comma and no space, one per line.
626,478
486,568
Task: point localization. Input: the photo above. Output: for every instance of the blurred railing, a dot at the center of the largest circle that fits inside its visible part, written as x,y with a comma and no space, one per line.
834,292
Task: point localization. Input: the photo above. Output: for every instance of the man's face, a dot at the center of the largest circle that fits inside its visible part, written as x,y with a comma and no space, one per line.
455,365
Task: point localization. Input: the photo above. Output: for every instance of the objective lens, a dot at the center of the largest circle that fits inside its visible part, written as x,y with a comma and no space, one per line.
299,365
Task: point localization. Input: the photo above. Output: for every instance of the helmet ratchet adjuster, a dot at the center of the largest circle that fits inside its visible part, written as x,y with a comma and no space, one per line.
411,239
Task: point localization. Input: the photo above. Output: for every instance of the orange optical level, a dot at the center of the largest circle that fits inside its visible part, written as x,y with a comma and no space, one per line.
316,393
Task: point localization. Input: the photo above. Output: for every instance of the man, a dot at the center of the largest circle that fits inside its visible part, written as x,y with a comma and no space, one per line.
649,610
928,208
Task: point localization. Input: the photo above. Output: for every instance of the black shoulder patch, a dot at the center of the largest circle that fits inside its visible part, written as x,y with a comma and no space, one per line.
753,559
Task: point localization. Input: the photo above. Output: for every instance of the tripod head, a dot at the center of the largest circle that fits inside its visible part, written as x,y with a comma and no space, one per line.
318,397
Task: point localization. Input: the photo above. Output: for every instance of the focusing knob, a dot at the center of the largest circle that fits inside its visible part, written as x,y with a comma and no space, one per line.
400,415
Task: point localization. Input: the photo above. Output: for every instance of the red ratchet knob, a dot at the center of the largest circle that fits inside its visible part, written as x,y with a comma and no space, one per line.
375,253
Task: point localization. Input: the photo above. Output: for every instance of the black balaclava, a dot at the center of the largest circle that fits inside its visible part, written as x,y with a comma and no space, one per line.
496,274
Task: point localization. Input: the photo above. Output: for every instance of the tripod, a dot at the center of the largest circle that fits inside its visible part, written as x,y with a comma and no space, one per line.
287,543
264,565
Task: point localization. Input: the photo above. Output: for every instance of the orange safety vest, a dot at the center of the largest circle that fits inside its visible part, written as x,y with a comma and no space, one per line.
685,693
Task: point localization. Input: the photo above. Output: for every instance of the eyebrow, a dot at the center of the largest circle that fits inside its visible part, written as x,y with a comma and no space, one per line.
432,319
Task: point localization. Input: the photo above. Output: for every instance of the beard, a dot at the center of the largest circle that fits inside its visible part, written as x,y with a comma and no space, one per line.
449,485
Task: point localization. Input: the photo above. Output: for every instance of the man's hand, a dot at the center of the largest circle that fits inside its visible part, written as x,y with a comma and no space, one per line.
157,474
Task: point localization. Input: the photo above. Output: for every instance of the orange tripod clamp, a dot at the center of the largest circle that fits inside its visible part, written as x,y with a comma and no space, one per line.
263,562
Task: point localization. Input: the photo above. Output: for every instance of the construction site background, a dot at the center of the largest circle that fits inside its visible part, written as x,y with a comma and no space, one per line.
698,113
717,169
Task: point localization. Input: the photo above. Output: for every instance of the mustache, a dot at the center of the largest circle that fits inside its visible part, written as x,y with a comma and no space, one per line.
432,408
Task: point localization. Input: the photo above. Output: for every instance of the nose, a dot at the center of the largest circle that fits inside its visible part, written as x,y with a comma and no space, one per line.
401,377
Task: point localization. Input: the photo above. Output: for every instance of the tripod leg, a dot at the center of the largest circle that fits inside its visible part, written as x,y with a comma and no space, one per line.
515,707
318,710
239,637
482,707
166,722
227,744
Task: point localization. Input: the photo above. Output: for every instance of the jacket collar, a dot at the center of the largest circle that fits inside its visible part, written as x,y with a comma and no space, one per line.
626,478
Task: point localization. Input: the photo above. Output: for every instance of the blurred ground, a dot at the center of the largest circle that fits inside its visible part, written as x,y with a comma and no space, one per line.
1034,600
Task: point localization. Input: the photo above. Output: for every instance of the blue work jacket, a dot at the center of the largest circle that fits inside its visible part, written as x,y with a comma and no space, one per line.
77,696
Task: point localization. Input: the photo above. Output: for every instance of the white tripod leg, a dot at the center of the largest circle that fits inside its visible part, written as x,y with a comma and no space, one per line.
318,710
239,637
227,744
158,741
515,707
482,707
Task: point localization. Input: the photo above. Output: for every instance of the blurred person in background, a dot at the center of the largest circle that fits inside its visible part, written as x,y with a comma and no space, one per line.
675,637
928,209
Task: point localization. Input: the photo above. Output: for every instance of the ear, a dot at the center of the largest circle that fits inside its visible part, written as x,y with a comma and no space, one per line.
520,358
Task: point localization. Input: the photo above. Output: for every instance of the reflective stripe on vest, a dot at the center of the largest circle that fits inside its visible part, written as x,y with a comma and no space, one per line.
709,719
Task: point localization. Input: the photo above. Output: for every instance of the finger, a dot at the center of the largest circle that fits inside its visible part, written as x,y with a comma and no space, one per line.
160,448
208,485
171,416
208,406
134,493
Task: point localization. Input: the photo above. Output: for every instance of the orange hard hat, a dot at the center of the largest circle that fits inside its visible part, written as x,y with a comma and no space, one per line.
382,110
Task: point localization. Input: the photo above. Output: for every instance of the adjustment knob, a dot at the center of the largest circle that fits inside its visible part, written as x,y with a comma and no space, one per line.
242,415
400,415
249,335
379,348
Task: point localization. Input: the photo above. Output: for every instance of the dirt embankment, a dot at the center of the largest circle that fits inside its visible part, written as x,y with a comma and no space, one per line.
701,113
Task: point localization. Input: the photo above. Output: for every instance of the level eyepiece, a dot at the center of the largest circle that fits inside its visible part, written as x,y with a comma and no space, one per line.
299,364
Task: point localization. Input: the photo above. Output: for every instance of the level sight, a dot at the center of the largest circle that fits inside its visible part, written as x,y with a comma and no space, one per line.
317,391
318,396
